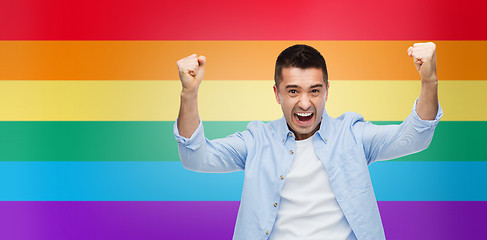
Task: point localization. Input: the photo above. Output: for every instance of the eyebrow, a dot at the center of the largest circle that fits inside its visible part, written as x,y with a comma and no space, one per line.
296,86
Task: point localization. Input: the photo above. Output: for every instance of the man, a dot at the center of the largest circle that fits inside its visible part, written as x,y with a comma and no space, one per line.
306,174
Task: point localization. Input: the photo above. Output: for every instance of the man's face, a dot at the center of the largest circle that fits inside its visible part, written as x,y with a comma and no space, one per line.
302,94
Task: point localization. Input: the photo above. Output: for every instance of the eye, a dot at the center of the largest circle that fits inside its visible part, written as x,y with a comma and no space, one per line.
315,91
293,91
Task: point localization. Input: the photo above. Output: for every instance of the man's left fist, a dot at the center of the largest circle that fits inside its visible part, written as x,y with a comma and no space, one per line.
424,57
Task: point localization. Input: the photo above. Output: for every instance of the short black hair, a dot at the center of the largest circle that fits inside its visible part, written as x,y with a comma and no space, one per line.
300,56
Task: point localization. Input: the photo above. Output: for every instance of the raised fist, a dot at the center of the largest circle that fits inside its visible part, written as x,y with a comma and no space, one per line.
424,57
191,71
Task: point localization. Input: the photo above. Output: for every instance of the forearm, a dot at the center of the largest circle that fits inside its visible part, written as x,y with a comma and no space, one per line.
191,71
188,118
424,58
427,105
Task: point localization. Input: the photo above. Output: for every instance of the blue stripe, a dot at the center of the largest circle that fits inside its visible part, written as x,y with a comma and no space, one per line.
429,181
169,181
114,181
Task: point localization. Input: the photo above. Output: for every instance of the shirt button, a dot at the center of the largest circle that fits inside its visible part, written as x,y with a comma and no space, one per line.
282,177
325,140
290,134
266,232
291,151
283,140
275,204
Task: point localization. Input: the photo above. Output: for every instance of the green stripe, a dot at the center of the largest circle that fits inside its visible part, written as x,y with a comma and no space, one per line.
154,141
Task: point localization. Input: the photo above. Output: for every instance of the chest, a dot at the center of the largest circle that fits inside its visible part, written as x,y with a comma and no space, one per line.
344,162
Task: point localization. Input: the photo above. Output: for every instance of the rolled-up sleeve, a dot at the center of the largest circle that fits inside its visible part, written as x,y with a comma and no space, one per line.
197,153
194,142
423,125
384,142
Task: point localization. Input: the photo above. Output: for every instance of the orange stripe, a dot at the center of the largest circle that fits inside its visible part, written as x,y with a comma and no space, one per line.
227,60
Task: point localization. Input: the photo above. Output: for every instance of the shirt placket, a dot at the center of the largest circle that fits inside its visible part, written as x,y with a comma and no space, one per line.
290,146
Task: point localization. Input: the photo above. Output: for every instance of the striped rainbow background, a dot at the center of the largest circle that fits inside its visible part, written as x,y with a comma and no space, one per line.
89,93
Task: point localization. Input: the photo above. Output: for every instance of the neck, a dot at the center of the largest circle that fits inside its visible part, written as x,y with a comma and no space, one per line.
303,136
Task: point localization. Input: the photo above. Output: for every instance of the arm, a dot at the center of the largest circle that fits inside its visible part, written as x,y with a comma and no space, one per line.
384,142
191,71
196,152
416,132
424,57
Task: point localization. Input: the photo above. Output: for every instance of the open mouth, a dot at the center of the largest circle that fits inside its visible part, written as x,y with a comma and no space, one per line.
303,117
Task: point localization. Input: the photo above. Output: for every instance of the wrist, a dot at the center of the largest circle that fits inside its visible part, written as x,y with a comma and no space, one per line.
431,80
189,93
429,85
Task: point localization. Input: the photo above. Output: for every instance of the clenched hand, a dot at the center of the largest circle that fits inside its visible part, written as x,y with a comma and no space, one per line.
191,71
424,57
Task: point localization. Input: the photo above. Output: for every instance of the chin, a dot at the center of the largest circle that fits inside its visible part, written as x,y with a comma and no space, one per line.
303,130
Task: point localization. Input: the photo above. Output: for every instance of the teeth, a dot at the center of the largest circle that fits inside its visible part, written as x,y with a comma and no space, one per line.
304,114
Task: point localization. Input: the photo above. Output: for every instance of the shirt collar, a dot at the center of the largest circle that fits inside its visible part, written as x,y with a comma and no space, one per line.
284,132
325,124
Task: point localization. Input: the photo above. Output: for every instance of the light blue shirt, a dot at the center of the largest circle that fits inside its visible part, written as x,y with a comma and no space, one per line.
345,145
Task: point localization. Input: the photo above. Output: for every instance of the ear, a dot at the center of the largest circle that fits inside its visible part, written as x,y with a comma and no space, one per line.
327,88
276,92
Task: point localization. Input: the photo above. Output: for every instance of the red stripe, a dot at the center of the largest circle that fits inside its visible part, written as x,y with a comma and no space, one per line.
243,20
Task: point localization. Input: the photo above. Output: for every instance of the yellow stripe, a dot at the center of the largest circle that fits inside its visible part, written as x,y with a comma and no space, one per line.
227,60
222,100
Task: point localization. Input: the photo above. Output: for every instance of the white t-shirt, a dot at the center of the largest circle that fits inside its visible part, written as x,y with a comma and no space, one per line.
309,209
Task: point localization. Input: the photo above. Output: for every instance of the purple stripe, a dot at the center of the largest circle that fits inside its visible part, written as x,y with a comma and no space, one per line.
213,220
117,220
434,220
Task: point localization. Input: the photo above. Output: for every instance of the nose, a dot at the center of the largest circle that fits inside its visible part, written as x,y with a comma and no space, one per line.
304,102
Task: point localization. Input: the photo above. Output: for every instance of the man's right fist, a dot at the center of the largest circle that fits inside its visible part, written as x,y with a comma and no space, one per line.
191,71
